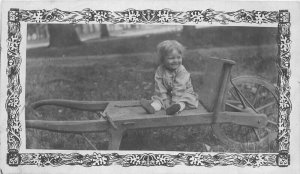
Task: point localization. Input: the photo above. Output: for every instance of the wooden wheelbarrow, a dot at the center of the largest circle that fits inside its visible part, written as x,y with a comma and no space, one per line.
238,110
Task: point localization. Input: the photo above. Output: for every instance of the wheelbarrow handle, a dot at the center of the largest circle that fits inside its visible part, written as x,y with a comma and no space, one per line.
73,104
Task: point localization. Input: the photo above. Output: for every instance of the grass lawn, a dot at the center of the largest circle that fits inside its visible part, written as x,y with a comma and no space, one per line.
128,76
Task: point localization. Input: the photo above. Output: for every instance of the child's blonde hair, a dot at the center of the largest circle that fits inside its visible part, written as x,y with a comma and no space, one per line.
167,46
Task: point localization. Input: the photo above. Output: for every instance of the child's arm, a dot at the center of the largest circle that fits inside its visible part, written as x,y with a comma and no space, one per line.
180,84
160,89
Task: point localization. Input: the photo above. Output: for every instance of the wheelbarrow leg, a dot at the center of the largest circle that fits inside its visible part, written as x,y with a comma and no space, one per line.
116,138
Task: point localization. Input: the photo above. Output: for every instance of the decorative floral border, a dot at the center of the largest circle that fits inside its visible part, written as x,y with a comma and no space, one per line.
148,16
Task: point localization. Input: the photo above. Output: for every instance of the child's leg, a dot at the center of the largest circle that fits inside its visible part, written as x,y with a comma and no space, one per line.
151,107
156,105
175,108
182,106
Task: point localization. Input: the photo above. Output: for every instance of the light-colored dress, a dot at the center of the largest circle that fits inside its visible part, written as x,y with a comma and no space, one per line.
174,86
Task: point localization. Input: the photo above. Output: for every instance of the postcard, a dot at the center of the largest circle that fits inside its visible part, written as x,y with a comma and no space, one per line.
140,86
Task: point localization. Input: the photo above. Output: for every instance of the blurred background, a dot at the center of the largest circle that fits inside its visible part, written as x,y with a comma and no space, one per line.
102,62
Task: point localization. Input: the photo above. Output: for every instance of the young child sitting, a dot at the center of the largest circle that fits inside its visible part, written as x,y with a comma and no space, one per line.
173,88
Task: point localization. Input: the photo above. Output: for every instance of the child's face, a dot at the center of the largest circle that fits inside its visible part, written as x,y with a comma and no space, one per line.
172,60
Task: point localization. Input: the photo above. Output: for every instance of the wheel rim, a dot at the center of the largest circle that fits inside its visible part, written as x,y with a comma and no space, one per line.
262,96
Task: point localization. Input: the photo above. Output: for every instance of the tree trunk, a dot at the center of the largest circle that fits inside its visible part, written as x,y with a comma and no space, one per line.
103,31
62,35
188,31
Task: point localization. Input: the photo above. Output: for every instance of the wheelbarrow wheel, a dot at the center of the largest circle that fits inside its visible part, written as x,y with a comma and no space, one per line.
263,98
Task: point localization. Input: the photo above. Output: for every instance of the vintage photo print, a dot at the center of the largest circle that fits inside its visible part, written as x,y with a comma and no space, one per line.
114,87
99,80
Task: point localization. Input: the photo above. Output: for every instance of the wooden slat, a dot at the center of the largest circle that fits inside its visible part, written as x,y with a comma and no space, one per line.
121,110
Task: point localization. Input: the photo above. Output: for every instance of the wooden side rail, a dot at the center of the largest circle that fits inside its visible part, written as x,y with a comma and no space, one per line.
72,104
247,119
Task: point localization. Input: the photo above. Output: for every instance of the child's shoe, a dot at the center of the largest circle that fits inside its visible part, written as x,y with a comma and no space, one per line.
147,106
173,109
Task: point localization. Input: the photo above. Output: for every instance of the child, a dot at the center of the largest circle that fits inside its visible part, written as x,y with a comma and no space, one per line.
173,88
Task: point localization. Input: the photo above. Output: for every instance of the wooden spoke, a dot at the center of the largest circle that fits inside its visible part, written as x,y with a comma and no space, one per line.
265,106
256,133
89,141
270,114
272,122
233,94
256,96
234,101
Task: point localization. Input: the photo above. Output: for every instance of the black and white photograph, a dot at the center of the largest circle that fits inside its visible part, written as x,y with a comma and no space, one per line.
151,87
140,86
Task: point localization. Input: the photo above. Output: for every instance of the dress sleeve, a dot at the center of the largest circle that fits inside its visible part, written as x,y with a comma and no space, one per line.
160,89
180,84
